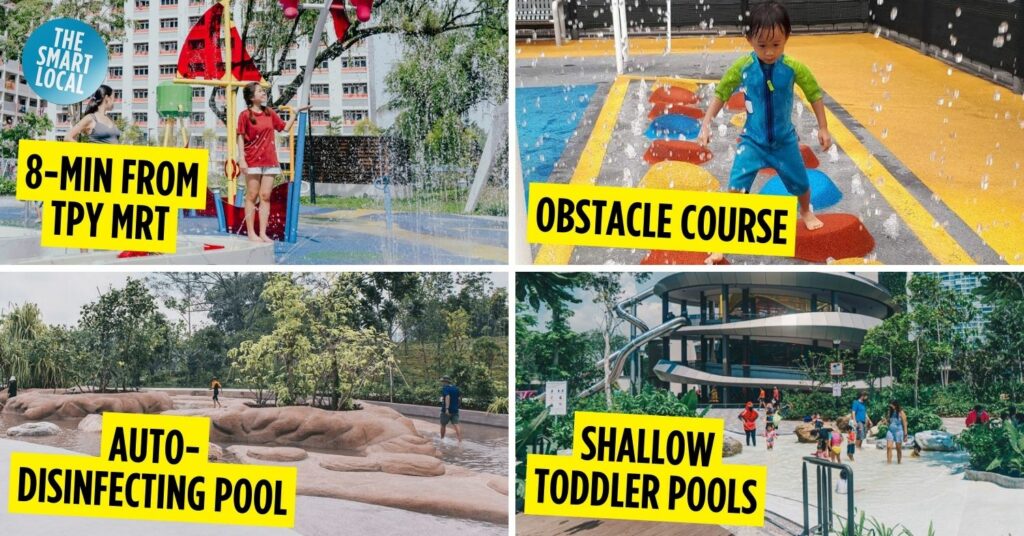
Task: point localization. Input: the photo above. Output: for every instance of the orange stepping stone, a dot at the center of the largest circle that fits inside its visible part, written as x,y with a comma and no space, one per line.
657,256
843,236
671,175
810,161
736,103
673,95
664,108
677,150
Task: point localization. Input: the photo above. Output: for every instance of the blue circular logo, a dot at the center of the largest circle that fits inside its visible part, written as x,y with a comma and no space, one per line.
64,61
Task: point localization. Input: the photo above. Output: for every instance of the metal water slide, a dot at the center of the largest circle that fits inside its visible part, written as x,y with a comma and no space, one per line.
647,334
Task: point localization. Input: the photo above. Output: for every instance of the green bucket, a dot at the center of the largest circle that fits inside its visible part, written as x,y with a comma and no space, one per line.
173,100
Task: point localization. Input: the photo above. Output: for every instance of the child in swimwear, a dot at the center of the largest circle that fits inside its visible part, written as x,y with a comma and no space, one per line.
769,436
851,445
766,76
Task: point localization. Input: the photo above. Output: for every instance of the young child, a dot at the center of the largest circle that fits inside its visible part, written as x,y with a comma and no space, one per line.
851,443
818,423
770,435
822,450
766,76
836,443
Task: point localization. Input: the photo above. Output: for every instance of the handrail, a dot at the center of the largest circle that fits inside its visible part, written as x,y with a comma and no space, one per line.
824,488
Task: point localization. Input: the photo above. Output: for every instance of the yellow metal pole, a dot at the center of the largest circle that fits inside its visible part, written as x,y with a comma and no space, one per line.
229,93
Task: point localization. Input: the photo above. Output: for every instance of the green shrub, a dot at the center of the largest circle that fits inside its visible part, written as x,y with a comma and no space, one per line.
982,444
998,448
6,187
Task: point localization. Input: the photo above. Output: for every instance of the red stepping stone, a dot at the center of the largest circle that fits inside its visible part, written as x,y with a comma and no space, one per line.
736,103
673,95
663,108
843,236
677,150
657,256
810,161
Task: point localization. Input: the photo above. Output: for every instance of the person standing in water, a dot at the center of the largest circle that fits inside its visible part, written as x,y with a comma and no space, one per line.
95,123
894,437
257,125
215,385
450,407
12,388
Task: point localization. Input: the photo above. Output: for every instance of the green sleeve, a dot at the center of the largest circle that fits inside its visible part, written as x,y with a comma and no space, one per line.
727,86
804,79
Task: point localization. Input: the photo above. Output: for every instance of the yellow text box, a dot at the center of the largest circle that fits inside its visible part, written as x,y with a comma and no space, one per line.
643,218
100,196
684,441
566,486
152,467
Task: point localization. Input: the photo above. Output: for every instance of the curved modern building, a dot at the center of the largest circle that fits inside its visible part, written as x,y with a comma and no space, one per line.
752,330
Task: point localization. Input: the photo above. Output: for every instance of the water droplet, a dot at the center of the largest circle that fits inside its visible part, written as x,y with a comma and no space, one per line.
949,72
997,95
958,11
959,57
833,153
885,133
988,160
1003,27
891,227
952,40
750,107
999,41
984,182
892,14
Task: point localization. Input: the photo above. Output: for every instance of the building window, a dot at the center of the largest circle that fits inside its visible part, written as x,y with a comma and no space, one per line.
140,94
354,89
288,65
141,25
114,116
319,90
198,117
140,117
198,93
142,48
118,94
115,72
168,70
318,116
322,65
168,3
141,4
192,21
285,116
353,116
168,46
353,62
168,24
141,70
116,49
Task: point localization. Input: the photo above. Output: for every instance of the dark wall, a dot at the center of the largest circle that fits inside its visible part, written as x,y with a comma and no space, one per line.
354,159
975,28
928,20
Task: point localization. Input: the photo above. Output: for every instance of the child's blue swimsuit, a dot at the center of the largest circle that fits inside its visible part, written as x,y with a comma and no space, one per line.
769,137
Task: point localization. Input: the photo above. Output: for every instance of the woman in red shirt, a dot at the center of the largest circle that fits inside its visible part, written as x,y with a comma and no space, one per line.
257,125
749,418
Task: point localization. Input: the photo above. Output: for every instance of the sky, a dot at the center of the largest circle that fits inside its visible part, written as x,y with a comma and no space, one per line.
587,314
60,296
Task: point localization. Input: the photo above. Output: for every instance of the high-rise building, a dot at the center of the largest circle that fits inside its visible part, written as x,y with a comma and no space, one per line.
966,283
16,99
148,55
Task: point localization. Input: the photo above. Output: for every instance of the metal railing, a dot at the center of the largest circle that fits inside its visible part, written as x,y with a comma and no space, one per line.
823,479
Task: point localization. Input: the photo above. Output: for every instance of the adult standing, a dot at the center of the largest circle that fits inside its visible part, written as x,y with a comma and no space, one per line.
450,407
12,388
749,418
897,432
859,415
776,396
215,385
95,122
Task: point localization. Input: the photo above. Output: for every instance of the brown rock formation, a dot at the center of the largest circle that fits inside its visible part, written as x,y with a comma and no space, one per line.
37,405
374,429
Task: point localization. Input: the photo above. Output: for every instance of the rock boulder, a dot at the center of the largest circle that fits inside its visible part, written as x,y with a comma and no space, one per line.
92,424
805,433
935,440
36,405
731,447
277,454
34,429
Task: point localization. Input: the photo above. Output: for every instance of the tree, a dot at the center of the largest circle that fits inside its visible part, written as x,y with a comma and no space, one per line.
607,288
125,330
19,19
935,313
1004,326
19,329
552,289
27,127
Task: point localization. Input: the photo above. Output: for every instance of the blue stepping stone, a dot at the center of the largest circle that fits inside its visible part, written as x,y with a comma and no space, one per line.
824,192
673,127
